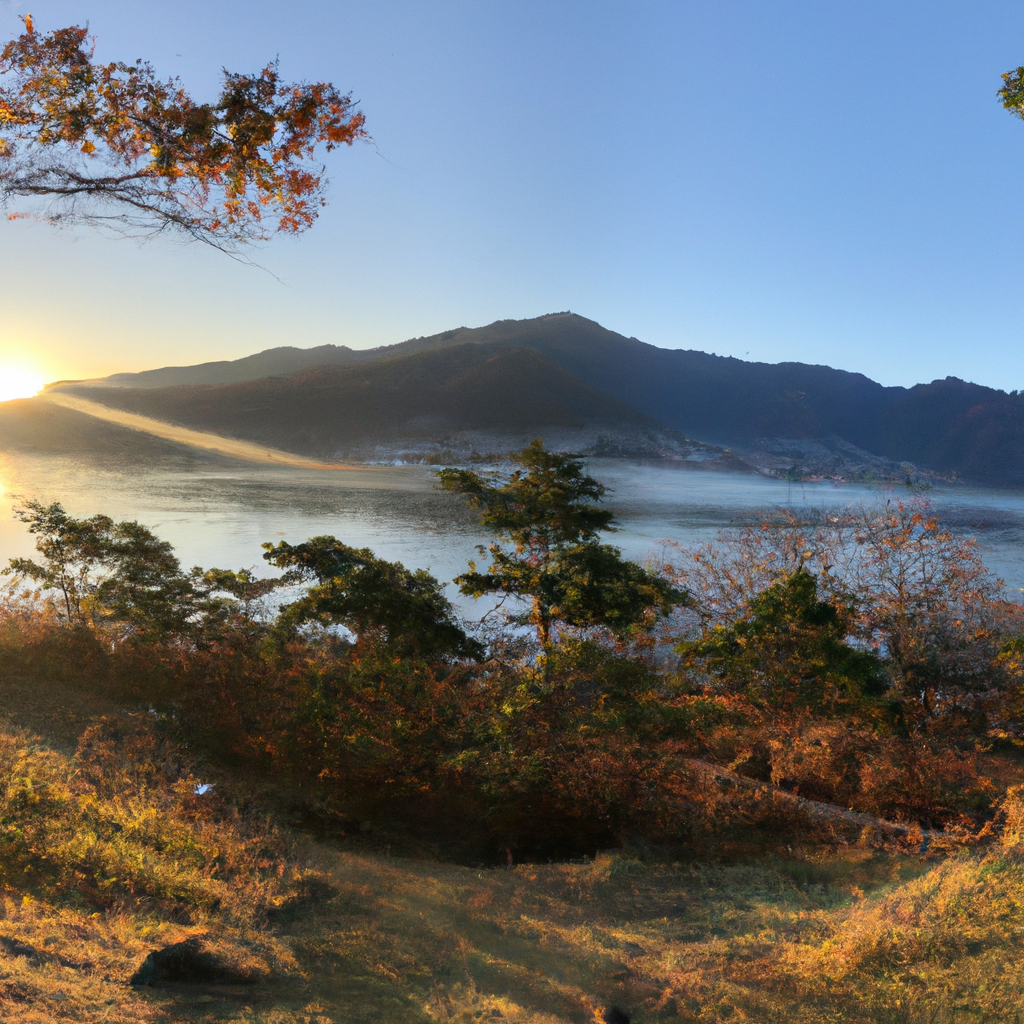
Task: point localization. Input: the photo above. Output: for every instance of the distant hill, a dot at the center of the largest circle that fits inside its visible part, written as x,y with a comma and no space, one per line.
950,427
269,363
322,410
955,427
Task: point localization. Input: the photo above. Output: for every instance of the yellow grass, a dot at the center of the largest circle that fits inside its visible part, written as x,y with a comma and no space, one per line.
822,936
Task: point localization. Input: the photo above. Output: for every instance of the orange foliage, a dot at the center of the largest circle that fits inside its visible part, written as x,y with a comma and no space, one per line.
113,145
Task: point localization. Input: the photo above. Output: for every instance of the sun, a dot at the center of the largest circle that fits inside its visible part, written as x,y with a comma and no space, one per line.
19,383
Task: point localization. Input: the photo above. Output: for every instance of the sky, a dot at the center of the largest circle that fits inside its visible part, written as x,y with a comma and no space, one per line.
816,181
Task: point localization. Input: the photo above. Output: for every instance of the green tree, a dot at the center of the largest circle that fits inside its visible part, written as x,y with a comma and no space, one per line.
381,602
105,572
71,551
144,585
789,651
548,524
1012,93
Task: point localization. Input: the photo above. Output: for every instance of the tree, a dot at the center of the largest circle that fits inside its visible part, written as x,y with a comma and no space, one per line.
917,594
112,145
71,549
927,603
144,585
548,524
381,602
1012,93
120,573
789,651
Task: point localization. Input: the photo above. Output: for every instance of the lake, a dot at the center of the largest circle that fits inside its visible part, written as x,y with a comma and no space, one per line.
219,515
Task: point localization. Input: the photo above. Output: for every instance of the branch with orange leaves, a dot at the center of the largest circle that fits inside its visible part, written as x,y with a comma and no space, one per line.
112,145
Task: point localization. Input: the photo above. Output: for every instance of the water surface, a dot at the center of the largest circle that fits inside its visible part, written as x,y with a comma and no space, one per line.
219,516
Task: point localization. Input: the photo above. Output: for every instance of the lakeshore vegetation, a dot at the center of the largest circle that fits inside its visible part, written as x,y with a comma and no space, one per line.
773,778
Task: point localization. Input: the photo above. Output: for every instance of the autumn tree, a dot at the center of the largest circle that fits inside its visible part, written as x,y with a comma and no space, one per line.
1012,93
113,145
911,590
548,524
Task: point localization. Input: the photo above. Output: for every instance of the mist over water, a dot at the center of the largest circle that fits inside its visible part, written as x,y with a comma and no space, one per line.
221,516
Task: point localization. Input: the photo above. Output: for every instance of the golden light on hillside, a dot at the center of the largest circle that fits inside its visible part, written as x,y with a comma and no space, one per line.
19,383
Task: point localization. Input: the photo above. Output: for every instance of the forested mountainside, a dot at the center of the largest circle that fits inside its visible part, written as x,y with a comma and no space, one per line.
949,426
323,408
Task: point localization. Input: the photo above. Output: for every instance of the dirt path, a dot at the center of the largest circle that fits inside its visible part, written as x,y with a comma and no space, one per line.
245,450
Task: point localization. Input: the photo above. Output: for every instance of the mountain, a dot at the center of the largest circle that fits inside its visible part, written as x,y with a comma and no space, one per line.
269,363
827,418
959,428
327,410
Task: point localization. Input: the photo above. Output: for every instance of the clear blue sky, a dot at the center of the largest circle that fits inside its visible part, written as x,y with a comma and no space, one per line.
819,181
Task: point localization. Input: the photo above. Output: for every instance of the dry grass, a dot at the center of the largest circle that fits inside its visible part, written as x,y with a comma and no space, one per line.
847,937
122,863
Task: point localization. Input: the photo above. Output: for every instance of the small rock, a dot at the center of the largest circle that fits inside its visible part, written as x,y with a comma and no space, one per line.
186,962
613,1015
310,892
16,948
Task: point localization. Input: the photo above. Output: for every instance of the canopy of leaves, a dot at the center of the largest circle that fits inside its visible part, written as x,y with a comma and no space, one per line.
914,592
1012,93
113,145
378,600
548,502
104,573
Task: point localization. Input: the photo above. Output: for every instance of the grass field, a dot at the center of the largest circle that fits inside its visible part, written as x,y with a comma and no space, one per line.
95,874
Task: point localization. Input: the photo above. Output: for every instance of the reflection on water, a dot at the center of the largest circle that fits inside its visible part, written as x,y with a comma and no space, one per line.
221,516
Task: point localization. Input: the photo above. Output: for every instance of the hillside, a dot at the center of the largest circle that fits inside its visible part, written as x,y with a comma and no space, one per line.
950,427
327,409
286,359
33,426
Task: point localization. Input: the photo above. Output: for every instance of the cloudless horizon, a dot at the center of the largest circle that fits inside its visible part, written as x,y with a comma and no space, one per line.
773,181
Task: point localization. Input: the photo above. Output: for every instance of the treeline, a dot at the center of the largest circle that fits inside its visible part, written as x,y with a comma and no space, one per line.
868,660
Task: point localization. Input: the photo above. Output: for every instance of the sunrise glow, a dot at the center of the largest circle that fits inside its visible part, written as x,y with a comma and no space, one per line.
19,384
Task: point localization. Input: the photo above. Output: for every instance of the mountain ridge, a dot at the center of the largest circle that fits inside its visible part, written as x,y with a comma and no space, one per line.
951,427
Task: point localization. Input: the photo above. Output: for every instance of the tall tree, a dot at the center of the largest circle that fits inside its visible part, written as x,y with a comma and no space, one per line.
113,145
546,517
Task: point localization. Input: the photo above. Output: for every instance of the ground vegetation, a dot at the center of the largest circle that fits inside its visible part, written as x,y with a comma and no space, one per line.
786,790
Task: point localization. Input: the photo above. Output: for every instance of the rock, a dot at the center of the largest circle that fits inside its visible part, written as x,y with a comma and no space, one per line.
310,892
187,963
16,948
613,1015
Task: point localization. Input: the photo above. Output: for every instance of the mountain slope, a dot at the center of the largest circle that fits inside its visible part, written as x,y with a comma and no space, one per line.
270,362
319,410
34,426
950,426
713,397
955,427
